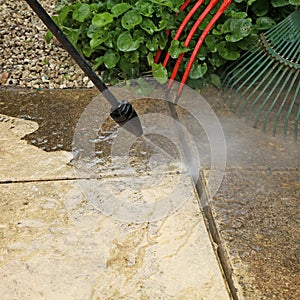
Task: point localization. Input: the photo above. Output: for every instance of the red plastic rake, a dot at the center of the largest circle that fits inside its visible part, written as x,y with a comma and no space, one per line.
187,41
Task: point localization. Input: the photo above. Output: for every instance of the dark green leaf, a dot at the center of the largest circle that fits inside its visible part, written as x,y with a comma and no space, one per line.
110,3
279,3
120,9
148,26
215,80
163,2
133,57
111,58
131,19
103,19
139,35
260,7
72,34
227,52
129,70
198,70
98,62
145,8
177,48
48,36
248,42
160,73
99,37
216,60
126,43
87,50
150,58
81,13
210,41
264,23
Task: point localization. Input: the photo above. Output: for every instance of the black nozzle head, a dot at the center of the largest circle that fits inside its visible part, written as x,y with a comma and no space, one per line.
126,116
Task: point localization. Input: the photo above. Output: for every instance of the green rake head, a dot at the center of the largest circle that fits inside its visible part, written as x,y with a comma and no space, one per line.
264,85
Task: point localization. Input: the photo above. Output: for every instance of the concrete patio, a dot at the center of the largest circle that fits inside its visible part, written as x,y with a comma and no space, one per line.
60,239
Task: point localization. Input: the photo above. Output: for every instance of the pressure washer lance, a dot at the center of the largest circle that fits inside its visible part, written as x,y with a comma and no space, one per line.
121,112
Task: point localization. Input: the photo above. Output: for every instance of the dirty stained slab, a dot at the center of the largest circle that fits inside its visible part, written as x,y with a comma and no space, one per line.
59,241
256,209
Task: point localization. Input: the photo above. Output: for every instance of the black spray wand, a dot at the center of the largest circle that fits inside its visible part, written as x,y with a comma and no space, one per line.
121,111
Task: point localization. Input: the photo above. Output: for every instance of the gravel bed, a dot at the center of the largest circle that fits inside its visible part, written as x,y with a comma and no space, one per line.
26,59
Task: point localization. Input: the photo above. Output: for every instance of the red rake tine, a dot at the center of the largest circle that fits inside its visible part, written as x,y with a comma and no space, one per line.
218,14
159,51
190,36
182,26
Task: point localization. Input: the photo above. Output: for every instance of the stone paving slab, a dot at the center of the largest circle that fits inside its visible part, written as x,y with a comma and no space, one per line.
257,215
255,211
56,243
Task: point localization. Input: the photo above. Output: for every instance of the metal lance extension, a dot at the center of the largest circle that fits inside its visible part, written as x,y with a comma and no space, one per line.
122,112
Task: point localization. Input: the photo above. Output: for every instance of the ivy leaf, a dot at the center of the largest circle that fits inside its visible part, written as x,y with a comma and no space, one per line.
279,3
81,13
110,3
163,2
48,36
210,41
131,19
150,59
264,23
227,52
160,73
294,2
260,7
103,19
126,43
238,28
133,56
215,80
72,34
148,26
120,8
128,68
249,42
87,51
177,48
98,62
63,14
145,8
197,70
139,35
99,37
111,58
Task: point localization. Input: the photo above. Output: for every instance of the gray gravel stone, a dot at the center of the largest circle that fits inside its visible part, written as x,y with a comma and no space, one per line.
26,59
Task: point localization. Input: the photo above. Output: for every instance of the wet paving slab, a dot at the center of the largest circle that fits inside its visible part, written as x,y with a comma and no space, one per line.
257,215
255,211
65,237
56,245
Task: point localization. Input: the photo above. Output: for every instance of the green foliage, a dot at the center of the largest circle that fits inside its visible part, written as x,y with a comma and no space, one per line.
120,38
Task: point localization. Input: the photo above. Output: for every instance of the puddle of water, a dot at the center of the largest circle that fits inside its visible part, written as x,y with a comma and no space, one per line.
56,112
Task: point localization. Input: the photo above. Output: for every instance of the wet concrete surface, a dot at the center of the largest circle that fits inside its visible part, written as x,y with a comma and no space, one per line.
55,111
257,214
63,238
255,210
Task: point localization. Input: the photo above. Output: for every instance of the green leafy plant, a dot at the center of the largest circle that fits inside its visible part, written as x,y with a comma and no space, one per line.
120,38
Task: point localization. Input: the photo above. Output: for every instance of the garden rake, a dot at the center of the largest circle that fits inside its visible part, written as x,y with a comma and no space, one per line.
224,5
264,84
